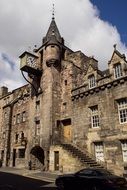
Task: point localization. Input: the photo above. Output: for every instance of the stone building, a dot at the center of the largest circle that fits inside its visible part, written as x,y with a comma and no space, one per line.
69,115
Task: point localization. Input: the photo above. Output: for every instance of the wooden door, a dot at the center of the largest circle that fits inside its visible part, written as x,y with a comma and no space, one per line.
67,133
56,160
2,155
14,157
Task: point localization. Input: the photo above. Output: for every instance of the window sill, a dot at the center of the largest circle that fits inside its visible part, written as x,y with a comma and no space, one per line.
94,129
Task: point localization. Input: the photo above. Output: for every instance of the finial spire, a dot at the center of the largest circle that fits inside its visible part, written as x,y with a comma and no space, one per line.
114,46
53,12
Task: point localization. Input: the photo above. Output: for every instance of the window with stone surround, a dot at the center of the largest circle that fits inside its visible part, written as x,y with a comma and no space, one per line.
5,115
122,109
24,116
38,127
14,120
125,172
95,122
21,135
18,118
16,138
92,81
38,106
118,70
4,135
124,149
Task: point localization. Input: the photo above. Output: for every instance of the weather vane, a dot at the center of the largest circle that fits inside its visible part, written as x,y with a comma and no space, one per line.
53,11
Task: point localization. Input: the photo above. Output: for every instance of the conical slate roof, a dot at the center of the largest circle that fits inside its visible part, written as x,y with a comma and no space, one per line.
53,29
53,34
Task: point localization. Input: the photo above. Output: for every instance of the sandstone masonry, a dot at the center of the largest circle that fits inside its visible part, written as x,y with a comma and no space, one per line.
70,115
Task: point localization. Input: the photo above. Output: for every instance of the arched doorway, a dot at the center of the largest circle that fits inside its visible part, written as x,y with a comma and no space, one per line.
37,157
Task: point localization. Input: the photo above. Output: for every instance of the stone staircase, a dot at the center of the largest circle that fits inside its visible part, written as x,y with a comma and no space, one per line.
84,158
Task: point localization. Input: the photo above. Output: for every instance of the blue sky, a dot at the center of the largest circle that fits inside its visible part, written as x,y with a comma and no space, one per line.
115,12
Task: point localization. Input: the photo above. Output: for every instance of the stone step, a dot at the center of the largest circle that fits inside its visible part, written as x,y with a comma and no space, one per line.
84,158
88,160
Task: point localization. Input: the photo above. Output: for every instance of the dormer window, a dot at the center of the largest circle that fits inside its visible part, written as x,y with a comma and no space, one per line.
92,81
118,70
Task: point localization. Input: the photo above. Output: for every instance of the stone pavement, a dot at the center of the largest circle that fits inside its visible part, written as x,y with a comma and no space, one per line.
36,174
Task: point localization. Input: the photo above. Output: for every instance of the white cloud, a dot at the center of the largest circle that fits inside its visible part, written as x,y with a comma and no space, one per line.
25,22
10,75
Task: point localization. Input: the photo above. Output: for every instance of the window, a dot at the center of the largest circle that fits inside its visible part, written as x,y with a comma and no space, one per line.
65,82
99,151
14,120
16,137
22,135
92,81
117,70
18,118
124,150
23,116
22,153
95,116
4,135
38,105
5,115
38,127
125,171
122,109
86,172
65,104
103,172
64,107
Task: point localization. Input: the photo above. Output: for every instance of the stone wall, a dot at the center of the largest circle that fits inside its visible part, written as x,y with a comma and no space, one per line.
67,163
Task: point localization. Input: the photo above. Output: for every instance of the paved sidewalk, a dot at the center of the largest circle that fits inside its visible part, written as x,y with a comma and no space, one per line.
36,174
46,176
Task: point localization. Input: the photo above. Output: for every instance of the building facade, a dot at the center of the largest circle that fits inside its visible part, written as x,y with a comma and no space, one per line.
69,115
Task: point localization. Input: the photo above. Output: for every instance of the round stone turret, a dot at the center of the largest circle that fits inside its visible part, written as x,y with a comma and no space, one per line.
52,55
53,44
